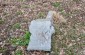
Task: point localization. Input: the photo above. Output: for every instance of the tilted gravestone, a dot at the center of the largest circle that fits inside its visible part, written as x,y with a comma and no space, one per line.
41,31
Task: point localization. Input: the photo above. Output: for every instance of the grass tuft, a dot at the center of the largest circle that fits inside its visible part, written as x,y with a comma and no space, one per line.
21,41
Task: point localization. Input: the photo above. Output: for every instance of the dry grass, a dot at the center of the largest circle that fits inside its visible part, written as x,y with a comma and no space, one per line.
69,38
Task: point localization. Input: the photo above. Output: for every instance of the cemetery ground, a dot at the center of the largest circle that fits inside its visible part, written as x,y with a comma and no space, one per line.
15,18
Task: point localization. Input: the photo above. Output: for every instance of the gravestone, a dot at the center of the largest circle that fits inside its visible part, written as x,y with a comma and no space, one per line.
41,31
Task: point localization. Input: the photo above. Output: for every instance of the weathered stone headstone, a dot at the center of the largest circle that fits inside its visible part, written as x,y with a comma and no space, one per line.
41,31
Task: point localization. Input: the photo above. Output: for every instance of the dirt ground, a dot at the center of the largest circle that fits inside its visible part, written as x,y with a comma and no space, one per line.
16,15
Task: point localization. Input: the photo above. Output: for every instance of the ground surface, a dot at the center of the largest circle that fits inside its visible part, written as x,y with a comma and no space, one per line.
16,15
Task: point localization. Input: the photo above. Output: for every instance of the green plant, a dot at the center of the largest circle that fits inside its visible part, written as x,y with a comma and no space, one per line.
19,13
56,4
16,26
18,52
1,21
2,49
25,40
21,41
41,14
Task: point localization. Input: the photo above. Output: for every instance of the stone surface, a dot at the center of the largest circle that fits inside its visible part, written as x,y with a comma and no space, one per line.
41,31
